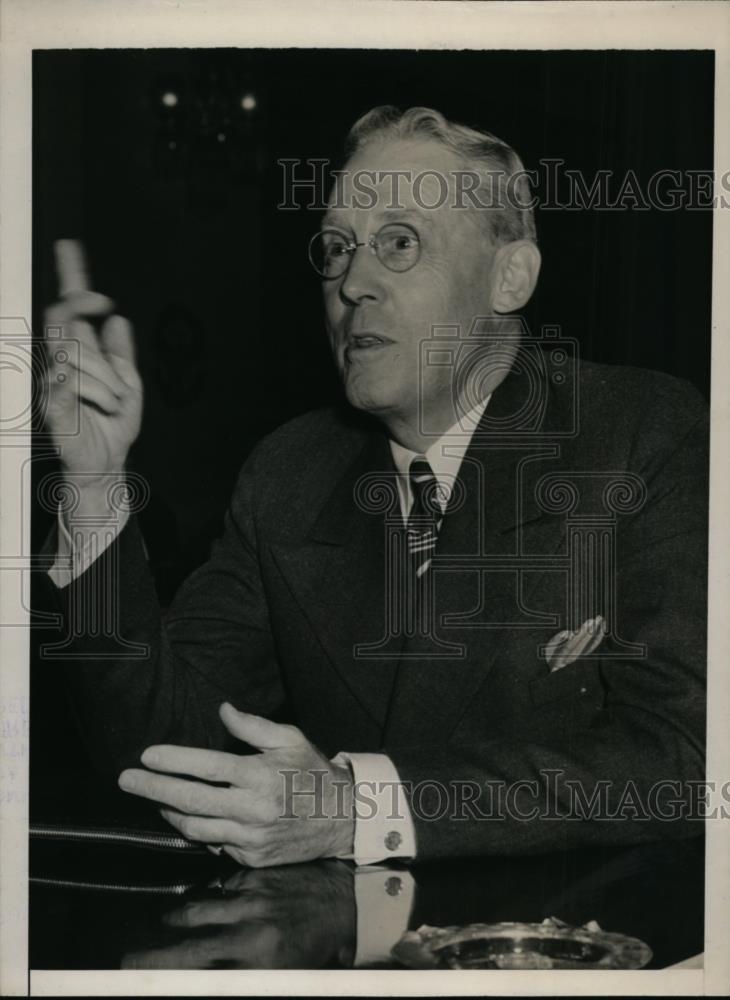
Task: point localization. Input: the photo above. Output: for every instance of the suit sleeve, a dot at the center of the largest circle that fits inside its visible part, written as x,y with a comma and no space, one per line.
136,680
632,769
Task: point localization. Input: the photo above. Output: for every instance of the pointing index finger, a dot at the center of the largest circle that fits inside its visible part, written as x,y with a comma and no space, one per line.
71,267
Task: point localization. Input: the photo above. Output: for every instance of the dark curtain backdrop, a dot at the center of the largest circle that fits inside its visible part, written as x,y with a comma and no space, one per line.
177,206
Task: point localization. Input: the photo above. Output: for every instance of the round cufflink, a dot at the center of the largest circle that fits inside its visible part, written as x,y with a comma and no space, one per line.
393,885
393,840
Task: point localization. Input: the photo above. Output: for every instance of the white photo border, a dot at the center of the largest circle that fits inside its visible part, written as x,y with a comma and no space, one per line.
26,25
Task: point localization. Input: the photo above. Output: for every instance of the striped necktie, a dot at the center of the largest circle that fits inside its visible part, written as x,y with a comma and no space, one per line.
425,518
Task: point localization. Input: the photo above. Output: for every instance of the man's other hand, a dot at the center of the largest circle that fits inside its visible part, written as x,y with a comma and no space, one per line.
284,805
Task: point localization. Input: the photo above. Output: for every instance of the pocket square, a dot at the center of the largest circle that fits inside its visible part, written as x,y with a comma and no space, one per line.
568,646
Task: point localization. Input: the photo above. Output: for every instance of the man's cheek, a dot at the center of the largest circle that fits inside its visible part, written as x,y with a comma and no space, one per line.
333,311
433,298
337,343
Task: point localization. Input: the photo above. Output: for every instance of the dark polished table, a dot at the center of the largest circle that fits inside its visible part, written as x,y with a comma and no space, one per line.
102,905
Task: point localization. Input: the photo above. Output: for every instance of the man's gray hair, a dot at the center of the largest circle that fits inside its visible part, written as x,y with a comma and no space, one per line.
512,217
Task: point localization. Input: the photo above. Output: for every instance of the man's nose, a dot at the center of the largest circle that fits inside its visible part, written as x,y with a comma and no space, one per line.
362,278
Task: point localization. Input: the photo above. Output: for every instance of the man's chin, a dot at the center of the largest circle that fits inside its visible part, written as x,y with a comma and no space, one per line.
372,398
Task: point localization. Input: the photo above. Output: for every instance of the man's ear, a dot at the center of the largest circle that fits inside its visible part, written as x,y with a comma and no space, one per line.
515,271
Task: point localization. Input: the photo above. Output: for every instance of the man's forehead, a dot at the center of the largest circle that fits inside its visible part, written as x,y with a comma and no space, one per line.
417,153
408,178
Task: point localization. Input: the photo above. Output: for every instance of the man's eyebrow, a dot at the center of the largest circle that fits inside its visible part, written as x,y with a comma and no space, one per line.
409,214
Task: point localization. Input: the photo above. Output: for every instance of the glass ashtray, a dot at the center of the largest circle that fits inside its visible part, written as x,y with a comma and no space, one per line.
552,944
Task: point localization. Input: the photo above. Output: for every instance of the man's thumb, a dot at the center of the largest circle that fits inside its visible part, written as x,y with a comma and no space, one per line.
259,732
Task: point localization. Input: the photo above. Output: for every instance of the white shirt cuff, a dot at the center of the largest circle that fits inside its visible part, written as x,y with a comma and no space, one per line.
383,899
384,827
75,555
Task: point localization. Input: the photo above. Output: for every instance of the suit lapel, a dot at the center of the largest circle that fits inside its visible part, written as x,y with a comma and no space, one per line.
337,576
492,514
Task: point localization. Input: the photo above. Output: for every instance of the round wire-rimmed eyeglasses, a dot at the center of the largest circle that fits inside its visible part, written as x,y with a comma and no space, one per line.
396,245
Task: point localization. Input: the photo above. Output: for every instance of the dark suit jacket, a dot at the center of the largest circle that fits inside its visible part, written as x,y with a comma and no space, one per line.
297,582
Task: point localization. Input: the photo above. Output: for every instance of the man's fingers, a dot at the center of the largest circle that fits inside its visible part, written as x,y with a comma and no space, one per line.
205,829
195,954
75,305
117,339
66,387
259,732
88,357
78,301
242,772
92,390
185,796
96,367
220,912
210,765
75,335
79,372
71,267
81,348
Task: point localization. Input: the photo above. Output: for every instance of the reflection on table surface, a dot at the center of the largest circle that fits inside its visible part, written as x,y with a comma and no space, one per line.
178,912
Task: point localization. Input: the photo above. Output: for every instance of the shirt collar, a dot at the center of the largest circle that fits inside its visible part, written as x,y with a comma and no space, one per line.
444,456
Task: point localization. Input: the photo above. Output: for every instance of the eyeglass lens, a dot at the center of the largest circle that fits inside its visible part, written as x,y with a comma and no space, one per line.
397,247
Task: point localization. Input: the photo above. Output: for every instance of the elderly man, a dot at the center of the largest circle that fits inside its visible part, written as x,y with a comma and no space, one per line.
483,609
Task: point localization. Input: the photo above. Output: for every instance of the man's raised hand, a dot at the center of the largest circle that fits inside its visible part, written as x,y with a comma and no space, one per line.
94,405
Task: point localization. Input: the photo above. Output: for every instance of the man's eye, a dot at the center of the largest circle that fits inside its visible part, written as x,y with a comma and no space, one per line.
335,248
398,248
404,242
398,241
